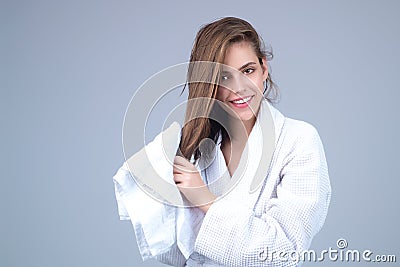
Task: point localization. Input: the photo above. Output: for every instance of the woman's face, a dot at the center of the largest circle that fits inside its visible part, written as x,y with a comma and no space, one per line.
241,84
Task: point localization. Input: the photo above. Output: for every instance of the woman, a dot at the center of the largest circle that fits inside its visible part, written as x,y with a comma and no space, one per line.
257,210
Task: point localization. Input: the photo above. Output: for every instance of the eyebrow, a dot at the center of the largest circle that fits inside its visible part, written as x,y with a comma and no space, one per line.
246,65
241,68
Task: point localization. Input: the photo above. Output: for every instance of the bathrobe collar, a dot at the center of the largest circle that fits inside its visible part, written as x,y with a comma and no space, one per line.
255,159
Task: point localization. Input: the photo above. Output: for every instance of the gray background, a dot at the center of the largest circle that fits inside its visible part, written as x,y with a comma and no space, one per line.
69,68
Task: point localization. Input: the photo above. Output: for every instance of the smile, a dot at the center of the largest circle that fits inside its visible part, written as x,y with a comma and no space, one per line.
241,100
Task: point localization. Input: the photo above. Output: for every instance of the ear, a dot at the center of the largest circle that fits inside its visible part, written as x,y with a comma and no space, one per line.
264,67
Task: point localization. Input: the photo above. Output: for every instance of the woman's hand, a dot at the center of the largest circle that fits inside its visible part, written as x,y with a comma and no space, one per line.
190,184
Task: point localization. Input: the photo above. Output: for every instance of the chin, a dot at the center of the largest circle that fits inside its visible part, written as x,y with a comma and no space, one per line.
245,116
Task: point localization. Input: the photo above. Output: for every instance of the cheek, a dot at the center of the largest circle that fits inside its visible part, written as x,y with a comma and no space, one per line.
259,81
222,93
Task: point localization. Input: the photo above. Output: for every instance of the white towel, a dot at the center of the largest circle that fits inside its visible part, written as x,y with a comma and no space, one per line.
158,226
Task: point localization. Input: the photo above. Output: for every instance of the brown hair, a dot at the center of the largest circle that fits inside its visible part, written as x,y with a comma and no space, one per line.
210,45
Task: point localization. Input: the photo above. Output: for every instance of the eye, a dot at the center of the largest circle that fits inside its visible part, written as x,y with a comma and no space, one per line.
225,77
248,71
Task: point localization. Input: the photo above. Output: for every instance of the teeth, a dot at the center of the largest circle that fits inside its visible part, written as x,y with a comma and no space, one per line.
242,101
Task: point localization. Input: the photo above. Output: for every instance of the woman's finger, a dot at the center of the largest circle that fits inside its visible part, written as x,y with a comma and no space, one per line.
176,169
179,169
183,164
180,161
177,178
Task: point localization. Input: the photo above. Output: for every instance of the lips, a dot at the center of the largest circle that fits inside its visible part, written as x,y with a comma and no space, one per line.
241,102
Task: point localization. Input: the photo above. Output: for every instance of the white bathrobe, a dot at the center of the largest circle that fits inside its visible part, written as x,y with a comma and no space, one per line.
243,227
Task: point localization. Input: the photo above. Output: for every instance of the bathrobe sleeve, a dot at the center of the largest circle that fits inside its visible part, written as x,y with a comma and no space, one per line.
233,234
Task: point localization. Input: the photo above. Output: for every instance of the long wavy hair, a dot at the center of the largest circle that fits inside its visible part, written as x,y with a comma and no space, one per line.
211,44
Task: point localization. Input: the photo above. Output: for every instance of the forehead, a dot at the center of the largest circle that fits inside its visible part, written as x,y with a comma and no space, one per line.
239,54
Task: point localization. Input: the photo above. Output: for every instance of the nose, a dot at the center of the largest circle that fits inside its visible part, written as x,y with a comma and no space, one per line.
234,86
239,84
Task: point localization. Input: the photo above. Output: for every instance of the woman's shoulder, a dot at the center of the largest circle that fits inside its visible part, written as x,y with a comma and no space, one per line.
300,127
300,134
292,132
